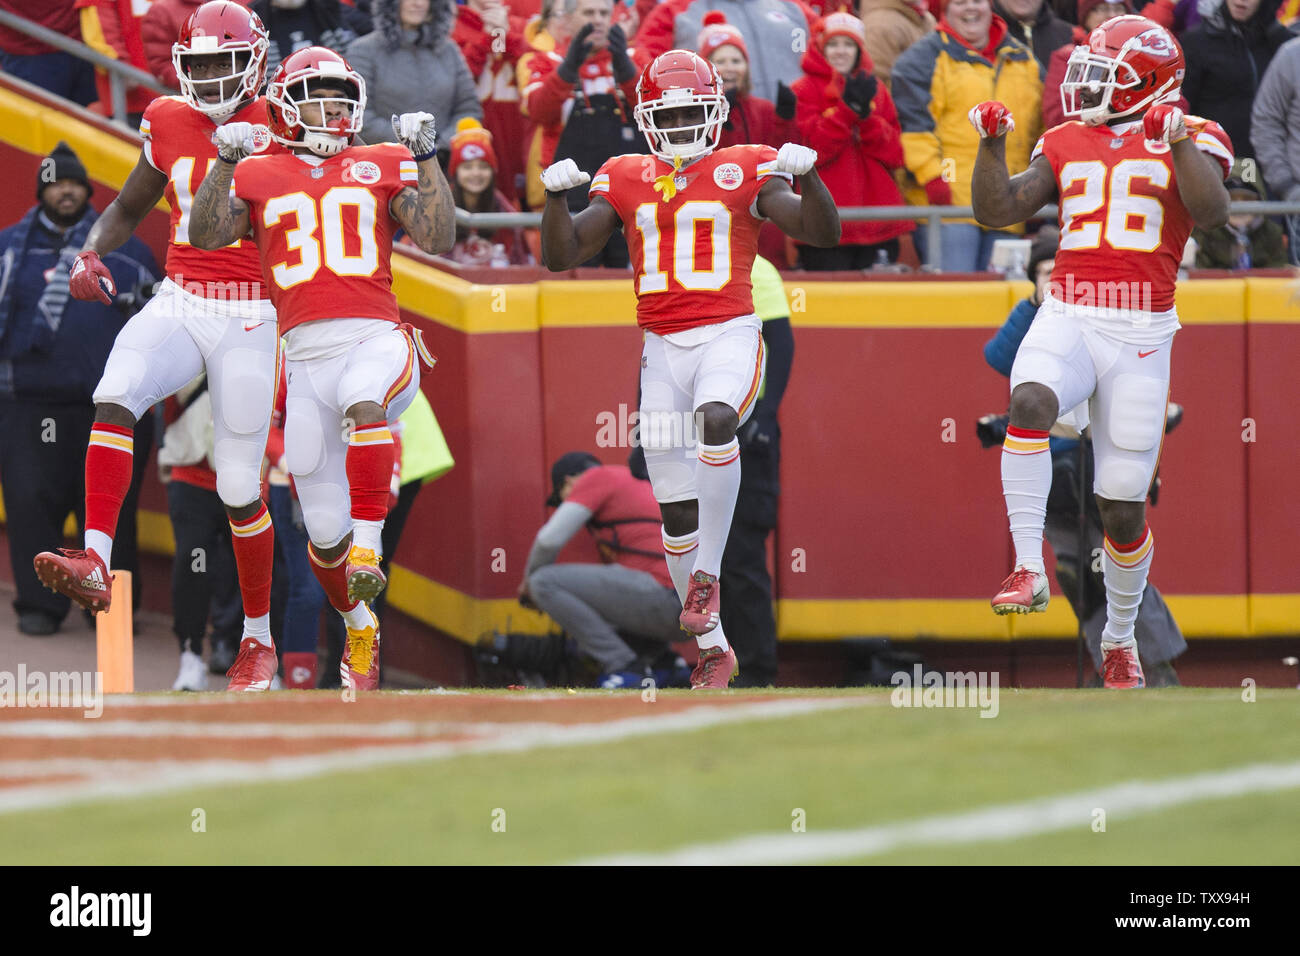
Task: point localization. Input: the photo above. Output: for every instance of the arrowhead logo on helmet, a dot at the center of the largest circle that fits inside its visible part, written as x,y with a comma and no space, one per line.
221,27
1129,64
680,106
300,116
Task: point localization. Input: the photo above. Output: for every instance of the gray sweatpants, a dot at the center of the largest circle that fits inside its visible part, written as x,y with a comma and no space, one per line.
593,602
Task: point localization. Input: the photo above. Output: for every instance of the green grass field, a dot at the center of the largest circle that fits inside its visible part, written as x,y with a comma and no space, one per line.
866,766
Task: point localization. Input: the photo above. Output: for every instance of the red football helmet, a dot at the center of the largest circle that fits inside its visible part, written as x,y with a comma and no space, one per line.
221,26
677,79
294,86
1131,62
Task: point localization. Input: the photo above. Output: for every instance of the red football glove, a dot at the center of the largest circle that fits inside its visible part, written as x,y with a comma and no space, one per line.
991,119
938,192
90,279
1164,124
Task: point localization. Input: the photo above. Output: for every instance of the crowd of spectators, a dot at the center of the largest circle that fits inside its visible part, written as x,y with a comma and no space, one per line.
880,88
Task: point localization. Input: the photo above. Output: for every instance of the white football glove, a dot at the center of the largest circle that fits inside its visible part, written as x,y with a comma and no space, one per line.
563,175
417,132
235,141
795,159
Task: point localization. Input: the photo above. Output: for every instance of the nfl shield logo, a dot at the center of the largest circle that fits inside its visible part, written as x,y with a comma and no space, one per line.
1116,143
317,172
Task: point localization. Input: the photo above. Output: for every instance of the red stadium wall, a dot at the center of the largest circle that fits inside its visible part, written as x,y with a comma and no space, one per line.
891,520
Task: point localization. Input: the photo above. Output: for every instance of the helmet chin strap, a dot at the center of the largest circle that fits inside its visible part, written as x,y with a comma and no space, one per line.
324,144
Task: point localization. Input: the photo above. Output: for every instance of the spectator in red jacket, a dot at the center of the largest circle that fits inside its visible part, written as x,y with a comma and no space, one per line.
848,116
1092,14
751,119
113,28
159,29
473,172
493,41
27,59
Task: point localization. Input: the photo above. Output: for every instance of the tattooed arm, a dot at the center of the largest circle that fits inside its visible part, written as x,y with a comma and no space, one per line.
1000,200
427,213
216,217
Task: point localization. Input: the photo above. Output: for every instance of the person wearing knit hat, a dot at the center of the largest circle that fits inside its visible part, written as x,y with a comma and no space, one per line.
848,116
63,166
472,171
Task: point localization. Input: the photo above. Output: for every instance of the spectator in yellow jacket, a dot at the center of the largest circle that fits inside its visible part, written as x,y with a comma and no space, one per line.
969,59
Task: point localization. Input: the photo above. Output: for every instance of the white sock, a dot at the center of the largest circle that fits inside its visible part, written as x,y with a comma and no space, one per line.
1125,568
258,628
102,545
1026,481
680,555
368,534
717,482
358,618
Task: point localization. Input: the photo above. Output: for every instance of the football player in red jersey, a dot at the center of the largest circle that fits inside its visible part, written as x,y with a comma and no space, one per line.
323,216
211,313
1132,175
691,214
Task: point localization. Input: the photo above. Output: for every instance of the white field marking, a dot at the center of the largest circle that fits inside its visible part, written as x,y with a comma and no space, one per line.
1001,822
390,729
167,776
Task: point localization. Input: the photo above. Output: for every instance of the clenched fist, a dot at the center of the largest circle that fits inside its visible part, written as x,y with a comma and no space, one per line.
235,141
991,119
417,132
90,279
1164,124
562,176
795,159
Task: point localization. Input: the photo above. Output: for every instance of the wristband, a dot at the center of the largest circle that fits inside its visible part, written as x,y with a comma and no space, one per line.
232,162
429,155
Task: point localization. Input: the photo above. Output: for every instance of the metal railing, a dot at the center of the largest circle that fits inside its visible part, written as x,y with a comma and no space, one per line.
932,216
120,75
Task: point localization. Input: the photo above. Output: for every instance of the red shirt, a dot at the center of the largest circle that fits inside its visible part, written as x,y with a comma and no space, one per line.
1123,222
691,254
178,143
326,231
625,519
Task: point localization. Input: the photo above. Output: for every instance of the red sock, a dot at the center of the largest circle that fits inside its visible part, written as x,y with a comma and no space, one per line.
254,541
333,578
108,475
370,470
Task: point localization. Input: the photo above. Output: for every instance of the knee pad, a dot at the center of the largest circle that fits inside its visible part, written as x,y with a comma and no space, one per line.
326,513
124,374
238,484
1137,412
304,442
247,385
1122,480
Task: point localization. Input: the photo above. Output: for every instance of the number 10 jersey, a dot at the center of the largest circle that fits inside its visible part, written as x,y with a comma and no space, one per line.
692,234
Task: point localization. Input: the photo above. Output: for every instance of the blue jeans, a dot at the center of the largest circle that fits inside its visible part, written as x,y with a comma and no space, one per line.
306,597
965,247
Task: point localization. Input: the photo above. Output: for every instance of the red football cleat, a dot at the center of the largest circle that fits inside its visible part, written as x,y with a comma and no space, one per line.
80,575
359,668
700,612
365,580
1120,668
715,669
254,668
1023,592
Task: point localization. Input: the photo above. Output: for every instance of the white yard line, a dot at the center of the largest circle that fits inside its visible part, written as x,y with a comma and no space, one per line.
1008,821
167,776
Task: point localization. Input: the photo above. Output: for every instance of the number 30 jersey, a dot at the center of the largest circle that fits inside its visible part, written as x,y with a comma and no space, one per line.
1123,222
692,234
325,229
178,142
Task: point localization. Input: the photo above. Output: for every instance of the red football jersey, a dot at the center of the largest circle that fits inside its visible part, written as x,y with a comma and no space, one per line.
325,230
1123,224
692,251
178,142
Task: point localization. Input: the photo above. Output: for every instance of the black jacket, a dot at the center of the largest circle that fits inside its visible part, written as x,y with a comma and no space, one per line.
1048,34
1225,62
